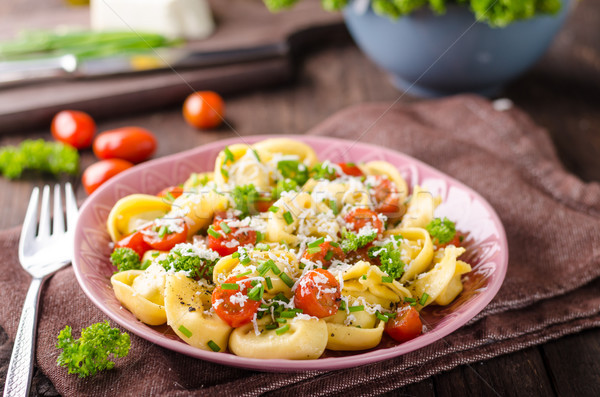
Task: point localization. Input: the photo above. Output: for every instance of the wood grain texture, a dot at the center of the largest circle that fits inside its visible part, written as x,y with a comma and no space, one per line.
562,93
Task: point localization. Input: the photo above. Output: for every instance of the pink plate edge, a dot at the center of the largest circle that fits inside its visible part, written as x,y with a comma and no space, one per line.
281,365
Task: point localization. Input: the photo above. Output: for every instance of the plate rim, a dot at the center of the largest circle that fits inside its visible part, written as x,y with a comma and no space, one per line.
284,365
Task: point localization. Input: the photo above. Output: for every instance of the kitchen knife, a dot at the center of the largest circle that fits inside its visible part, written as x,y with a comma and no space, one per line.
68,66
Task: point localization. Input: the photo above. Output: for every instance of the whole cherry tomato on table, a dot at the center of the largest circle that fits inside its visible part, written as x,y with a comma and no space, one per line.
134,144
98,173
406,325
318,294
74,128
237,311
204,109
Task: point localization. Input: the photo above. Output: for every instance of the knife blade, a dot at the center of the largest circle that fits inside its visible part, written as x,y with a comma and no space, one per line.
70,67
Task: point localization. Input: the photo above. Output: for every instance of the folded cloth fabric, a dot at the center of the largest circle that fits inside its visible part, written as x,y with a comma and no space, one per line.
552,220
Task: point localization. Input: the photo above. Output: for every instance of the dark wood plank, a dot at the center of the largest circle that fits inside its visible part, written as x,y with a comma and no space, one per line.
517,374
574,364
424,388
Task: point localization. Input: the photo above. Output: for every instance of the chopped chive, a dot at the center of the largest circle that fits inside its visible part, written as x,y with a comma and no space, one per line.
282,330
270,326
224,172
317,242
274,267
387,279
169,197
423,299
213,346
313,250
228,154
185,331
301,266
264,267
382,317
256,293
146,264
286,279
262,247
273,209
461,238
236,254
358,308
281,297
155,254
162,232
256,155
289,219
245,260
409,300
329,255
245,273
288,314
334,244
269,282
259,236
343,305
214,233
334,207
281,320
232,286
364,277
225,227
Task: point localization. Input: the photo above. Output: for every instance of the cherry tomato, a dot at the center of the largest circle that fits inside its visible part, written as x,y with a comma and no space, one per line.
204,109
406,325
350,169
326,255
174,191
98,173
263,204
228,243
135,241
234,312
361,217
133,144
387,199
456,241
318,294
162,238
74,128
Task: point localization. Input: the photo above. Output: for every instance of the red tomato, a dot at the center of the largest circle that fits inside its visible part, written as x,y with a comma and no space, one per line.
387,199
263,204
350,169
406,326
204,109
233,312
174,191
133,144
74,128
318,294
98,173
228,243
326,255
361,217
152,235
135,241
456,241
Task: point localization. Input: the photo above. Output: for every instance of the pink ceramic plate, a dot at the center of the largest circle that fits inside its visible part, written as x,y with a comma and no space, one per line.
486,245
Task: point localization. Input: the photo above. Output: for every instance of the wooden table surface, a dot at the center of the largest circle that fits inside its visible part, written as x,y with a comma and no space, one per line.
562,93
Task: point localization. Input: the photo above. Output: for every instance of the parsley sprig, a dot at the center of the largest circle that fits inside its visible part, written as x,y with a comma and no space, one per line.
185,260
389,256
351,241
127,259
442,231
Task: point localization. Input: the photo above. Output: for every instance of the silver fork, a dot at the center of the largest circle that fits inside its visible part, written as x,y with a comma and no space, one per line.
41,253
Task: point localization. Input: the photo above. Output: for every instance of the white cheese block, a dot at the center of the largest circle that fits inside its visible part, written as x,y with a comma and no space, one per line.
188,19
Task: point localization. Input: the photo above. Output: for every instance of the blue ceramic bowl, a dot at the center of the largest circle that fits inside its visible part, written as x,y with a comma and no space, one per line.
436,55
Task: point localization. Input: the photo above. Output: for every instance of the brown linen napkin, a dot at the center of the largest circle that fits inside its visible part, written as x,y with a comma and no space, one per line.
551,289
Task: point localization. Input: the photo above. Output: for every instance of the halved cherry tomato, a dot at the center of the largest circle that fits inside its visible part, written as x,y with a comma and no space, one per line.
456,241
133,144
74,128
361,217
174,191
135,241
387,200
406,325
350,169
162,238
326,255
98,173
318,294
204,109
263,204
228,243
237,311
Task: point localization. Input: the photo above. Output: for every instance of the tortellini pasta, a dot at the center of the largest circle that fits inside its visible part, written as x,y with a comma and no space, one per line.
274,254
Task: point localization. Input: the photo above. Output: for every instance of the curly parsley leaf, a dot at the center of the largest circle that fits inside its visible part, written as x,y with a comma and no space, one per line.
185,260
294,170
38,155
125,259
323,171
389,256
245,198
351,241
91,353
442,231
284,185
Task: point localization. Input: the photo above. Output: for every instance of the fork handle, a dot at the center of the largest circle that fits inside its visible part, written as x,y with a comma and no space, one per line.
18,378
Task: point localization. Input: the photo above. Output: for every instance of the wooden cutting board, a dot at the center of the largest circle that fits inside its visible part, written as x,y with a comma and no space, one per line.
240,24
